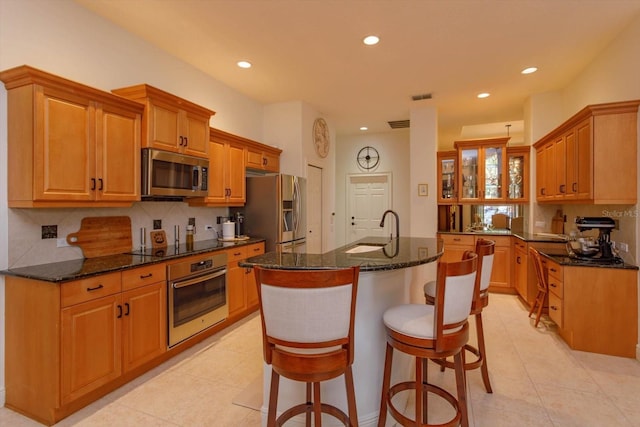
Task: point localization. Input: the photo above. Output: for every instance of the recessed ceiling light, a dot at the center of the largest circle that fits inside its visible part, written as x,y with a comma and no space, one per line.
371,40
529,70
483,95
244,64
364,128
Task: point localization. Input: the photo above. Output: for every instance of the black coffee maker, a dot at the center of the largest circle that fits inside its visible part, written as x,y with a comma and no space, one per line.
239,220
604,225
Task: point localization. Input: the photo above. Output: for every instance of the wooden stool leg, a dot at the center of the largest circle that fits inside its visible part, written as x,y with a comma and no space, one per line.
316,405
419,392
309,406
386,380
462,389
273,398
351,397
483,353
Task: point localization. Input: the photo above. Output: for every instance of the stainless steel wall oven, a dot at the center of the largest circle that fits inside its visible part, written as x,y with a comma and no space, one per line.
197,295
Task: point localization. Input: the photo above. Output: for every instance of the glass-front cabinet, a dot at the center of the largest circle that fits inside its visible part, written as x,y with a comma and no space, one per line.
518,180
447,190
483,163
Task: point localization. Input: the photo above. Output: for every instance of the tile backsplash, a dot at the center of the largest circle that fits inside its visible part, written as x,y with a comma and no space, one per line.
26,246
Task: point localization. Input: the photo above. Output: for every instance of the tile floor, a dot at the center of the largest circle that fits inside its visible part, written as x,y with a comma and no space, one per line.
537,381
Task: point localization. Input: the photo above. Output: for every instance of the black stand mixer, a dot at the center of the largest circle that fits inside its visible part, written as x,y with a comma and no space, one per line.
603,251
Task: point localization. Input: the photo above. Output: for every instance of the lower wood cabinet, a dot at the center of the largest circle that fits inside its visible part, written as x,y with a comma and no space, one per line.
66,341
243,295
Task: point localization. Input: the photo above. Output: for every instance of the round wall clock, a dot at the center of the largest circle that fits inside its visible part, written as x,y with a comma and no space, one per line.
368,158
321,137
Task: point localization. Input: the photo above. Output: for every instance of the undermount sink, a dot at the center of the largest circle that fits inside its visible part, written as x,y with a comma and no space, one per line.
365,247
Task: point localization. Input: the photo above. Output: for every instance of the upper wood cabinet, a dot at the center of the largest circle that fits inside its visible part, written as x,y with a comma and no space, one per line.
482,174
590,158
171,123
518,174
263,158
69,145
447,188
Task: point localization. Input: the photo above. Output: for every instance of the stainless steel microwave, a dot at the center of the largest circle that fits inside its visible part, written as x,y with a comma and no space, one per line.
173,175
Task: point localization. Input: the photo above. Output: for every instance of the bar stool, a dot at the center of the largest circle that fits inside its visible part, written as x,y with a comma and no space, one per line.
307,334
431,332
485,250
543,286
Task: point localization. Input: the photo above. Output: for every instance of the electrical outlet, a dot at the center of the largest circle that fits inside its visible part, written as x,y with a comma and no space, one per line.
208,227
157,224
540,224
62,242
49,231
622,246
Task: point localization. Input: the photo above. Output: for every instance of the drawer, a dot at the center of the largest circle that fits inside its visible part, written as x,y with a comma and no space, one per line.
458,239
554,274
255,249
236,254
555,309
556,286
501,241
519,244
138,277
72,293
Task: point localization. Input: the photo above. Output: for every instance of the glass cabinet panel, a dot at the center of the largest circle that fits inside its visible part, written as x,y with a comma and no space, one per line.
492,173
469,169
447,172
518,164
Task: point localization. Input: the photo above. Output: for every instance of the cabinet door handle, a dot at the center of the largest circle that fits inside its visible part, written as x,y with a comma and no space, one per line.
95,288
93,183
186,141
146,276
119,316
574,187
264,161
542,193
126,313
181,143
562,189
101,184
518,260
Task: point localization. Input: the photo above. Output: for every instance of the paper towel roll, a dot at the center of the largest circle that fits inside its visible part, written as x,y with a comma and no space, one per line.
228,230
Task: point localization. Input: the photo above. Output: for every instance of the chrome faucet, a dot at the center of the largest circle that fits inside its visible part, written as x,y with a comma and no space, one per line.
397,222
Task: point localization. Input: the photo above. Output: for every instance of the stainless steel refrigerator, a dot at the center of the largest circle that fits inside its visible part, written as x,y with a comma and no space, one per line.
276,210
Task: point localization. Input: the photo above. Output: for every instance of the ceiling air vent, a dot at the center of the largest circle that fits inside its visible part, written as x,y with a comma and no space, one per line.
399,124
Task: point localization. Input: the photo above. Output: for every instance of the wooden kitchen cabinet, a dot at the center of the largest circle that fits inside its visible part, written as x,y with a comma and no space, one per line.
68,342
590,158
455,245
69,145
524,273
226,171
501,272
169,122
447,175
262,157
520,262
241,285
595,308
482,175
518,166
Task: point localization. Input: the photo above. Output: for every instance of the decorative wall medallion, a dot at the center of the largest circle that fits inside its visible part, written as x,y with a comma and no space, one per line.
321,137
368,158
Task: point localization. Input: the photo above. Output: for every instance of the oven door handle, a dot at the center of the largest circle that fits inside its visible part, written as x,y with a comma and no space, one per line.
198,279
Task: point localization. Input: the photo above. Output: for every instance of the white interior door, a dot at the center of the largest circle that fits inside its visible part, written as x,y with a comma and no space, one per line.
368,196
314,210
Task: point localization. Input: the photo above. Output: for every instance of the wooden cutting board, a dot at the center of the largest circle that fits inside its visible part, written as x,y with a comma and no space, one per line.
102,236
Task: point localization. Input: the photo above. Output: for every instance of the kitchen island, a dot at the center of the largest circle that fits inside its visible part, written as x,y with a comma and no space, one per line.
388,271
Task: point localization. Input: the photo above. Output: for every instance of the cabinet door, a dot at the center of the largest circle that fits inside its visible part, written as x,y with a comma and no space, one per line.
236,288
91,346
64,147
447,176
560,155
493,173
195,135
518,179
163,122
217,164
549,172
144,334
501,271
250,279
235,174
521,271
583,185
271,162
254,159
117,155
469,160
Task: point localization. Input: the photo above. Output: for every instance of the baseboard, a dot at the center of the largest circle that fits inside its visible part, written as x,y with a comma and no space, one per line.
3,396
638,352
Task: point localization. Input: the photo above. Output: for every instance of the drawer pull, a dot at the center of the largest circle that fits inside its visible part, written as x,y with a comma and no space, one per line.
237,253
146,276
96,288
554,308
256,249
456,239
553,269
553,285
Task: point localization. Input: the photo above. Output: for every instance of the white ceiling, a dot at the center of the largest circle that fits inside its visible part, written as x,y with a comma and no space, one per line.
312,51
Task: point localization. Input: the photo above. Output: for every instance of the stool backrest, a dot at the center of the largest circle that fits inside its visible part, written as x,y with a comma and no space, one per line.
310,310
537,262
455,288
485,250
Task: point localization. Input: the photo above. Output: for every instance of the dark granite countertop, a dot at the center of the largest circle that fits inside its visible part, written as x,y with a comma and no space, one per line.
567,261
527,237
397,253
64,271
